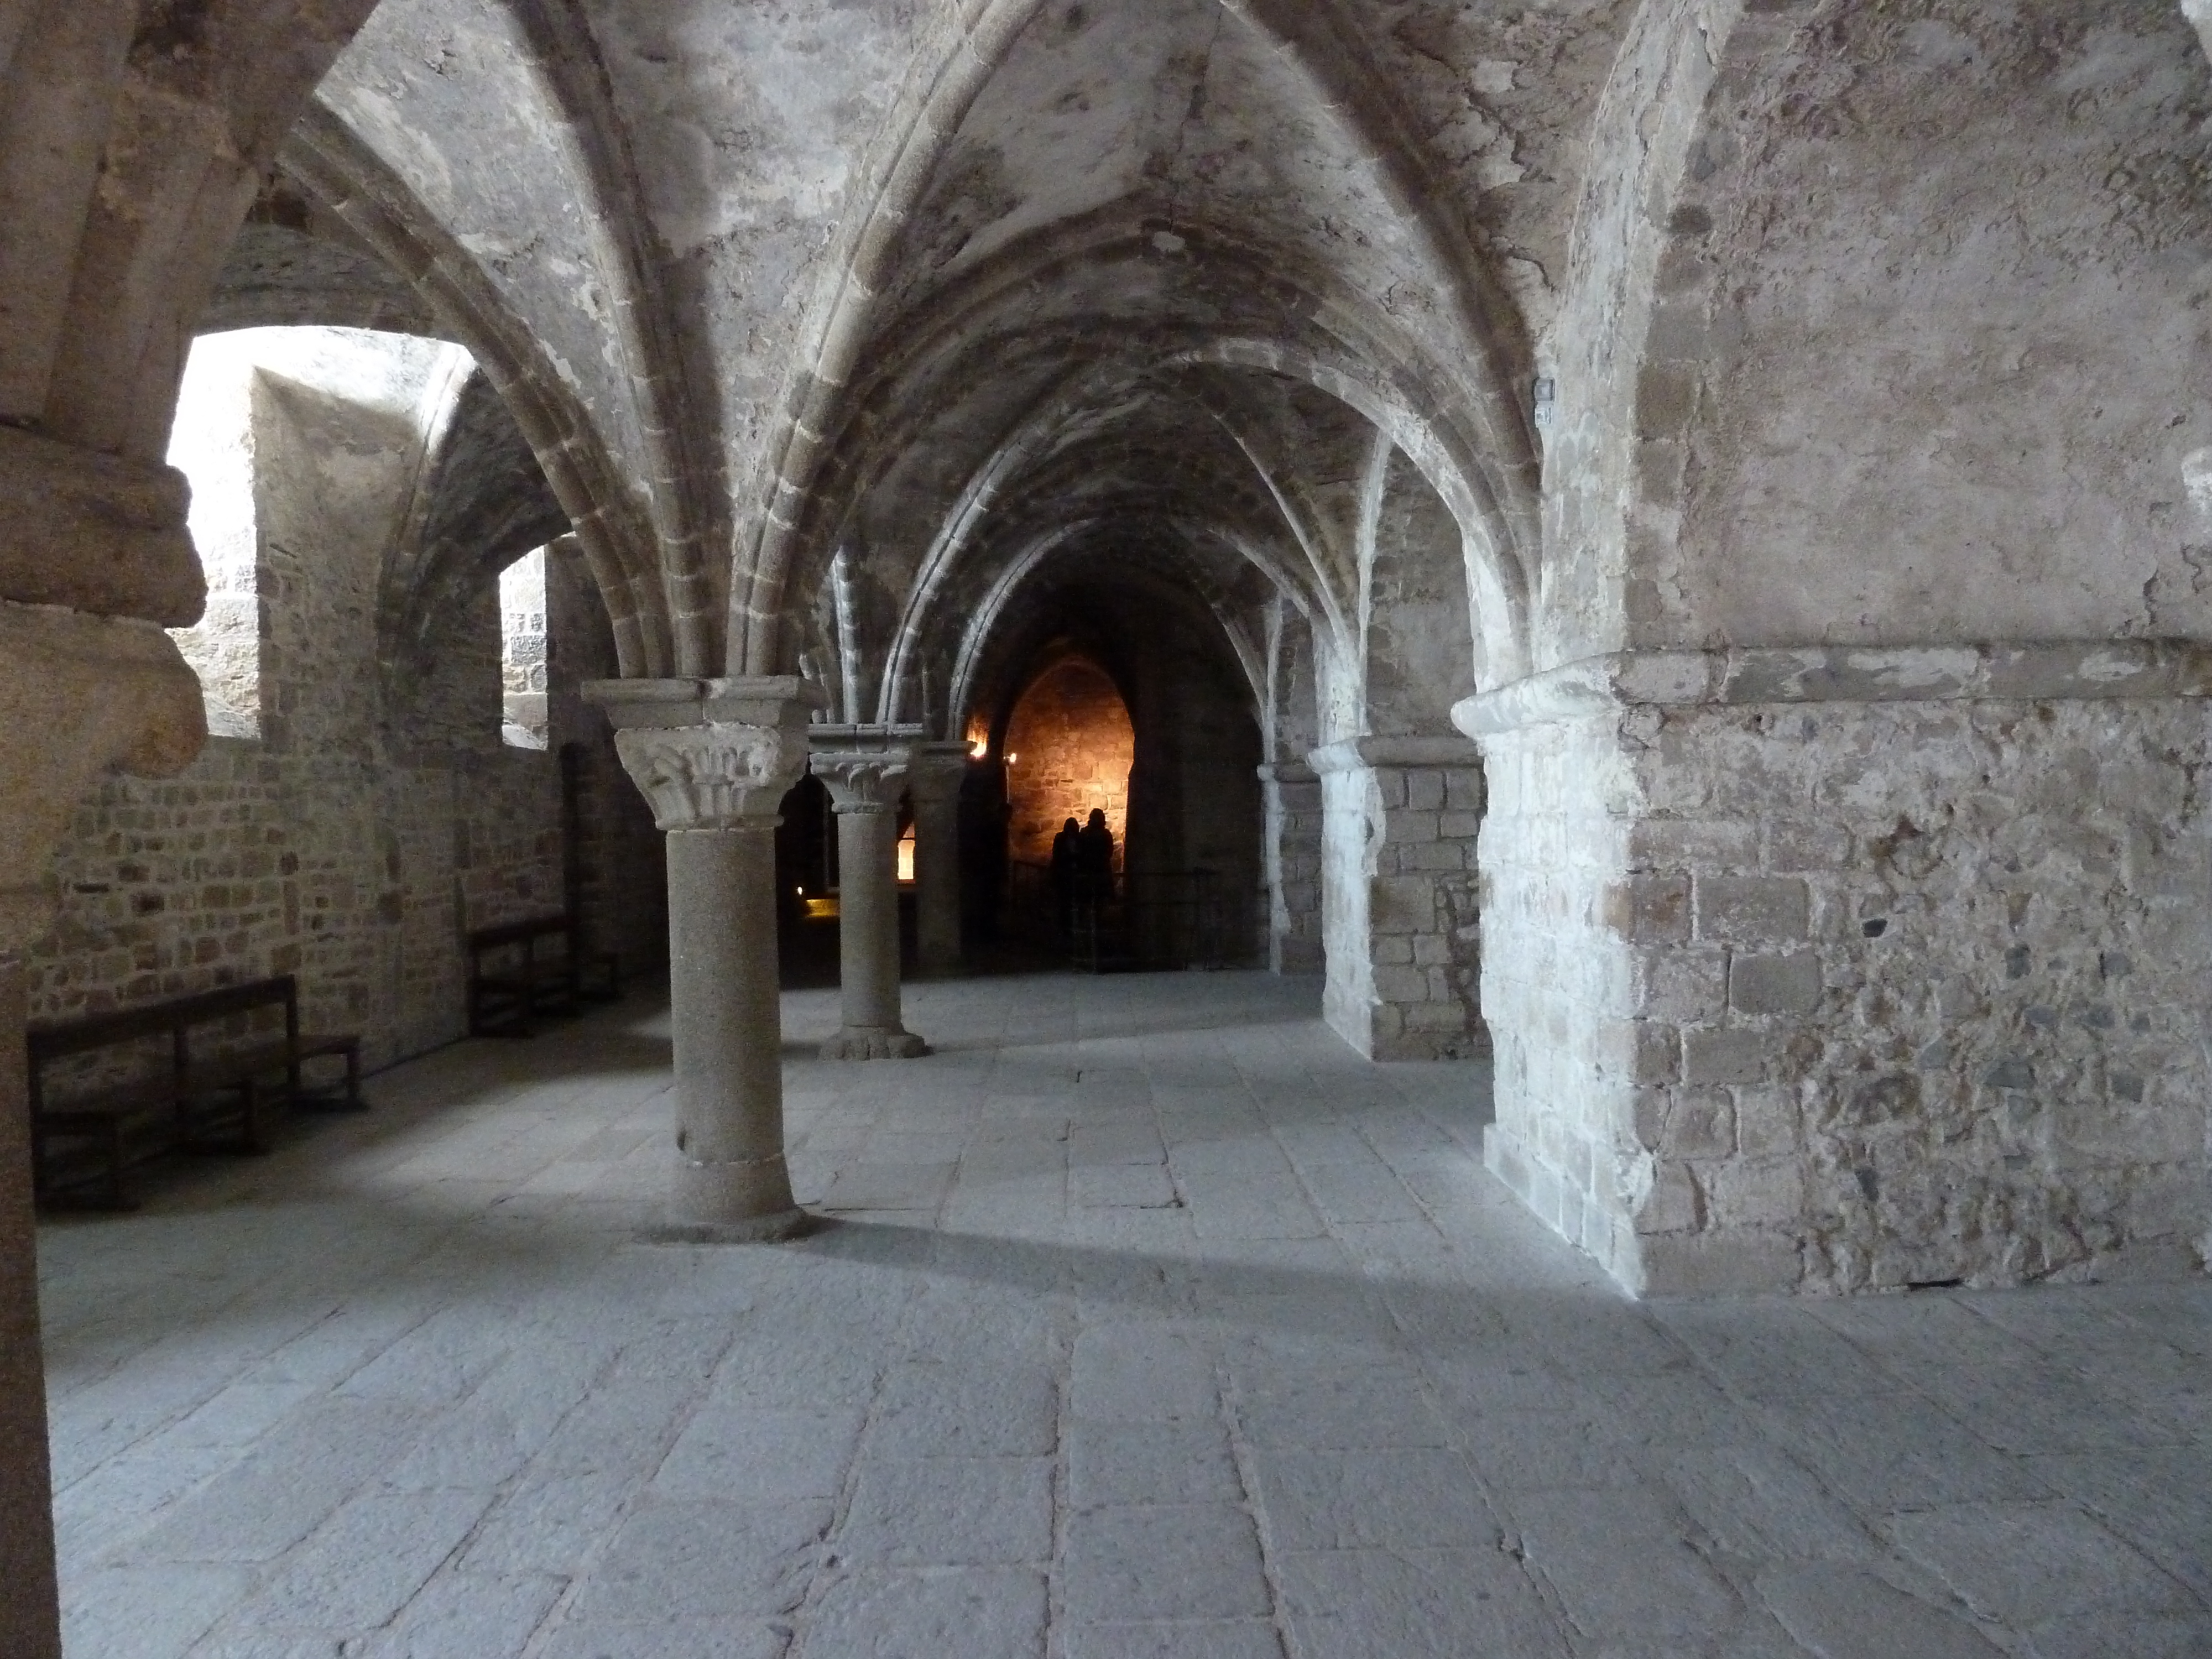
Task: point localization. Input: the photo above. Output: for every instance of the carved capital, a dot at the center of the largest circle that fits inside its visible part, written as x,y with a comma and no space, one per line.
861,783
864,767
710,754
96,532
78,695
712,776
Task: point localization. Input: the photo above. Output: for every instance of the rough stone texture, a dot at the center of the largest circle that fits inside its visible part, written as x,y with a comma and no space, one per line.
891,342
83,694
1795,451
372,822
934,782
359,879
93,533
1400,908
716,759
1773,1013
1292,855
1072,732
524,658
865,769
1322,1388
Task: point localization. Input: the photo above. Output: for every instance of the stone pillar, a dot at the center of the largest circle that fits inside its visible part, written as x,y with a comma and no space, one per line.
77,693
933,783
1290,857
715,757
1852,968
865,769
1399,911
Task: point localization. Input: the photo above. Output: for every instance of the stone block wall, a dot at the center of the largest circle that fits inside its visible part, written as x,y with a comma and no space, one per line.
1401,910
359,881
377,816
1776,1013
1560,922
1075,744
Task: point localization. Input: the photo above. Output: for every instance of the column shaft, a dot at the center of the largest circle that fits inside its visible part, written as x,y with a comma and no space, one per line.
867,912
865,769
714,757
30,1617
730,1171
937,877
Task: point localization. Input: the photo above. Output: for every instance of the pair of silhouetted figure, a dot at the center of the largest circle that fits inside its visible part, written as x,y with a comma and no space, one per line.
1082,865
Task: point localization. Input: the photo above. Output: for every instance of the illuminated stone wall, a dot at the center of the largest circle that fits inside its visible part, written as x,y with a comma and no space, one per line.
1069,746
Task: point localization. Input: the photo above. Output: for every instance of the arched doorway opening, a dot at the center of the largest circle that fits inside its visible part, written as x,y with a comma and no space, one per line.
1147,723
1069,747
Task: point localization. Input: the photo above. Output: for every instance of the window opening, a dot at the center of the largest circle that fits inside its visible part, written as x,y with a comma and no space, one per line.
525,652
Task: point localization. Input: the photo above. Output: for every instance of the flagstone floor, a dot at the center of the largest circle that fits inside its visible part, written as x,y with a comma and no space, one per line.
1150,1323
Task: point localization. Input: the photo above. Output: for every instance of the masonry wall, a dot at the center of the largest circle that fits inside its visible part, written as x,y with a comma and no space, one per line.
1072,733
360,879
1400,912
378,817
1291,859
1776,1013
1558,981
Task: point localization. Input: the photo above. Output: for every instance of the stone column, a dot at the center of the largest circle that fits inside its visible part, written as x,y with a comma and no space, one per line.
933,783
1840,969
1400,896
77,693
1290,857
866,771
715,757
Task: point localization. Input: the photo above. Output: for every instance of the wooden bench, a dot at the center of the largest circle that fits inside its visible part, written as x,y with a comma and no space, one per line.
535,981
84,1140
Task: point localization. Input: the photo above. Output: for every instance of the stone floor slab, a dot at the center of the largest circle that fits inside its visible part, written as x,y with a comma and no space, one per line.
949,1512
416,1383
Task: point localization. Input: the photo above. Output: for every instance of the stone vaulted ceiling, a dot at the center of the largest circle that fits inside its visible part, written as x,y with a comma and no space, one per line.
979,295
959,297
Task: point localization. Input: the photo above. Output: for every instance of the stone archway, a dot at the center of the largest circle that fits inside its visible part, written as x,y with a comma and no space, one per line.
1070,746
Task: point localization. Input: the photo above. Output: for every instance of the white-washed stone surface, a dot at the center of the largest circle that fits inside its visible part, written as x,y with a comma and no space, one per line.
1776,1012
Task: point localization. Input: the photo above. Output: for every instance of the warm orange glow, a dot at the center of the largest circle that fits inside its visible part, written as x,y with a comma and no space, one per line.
1075,729
906,856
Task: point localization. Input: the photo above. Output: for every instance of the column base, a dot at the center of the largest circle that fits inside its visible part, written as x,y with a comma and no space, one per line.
743,1199
763,1230
874,1043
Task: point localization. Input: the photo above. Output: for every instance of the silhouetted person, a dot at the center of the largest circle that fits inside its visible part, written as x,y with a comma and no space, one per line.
1094,859
1066,859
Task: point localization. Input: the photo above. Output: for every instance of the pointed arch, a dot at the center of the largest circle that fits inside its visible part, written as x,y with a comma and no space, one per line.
324,158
